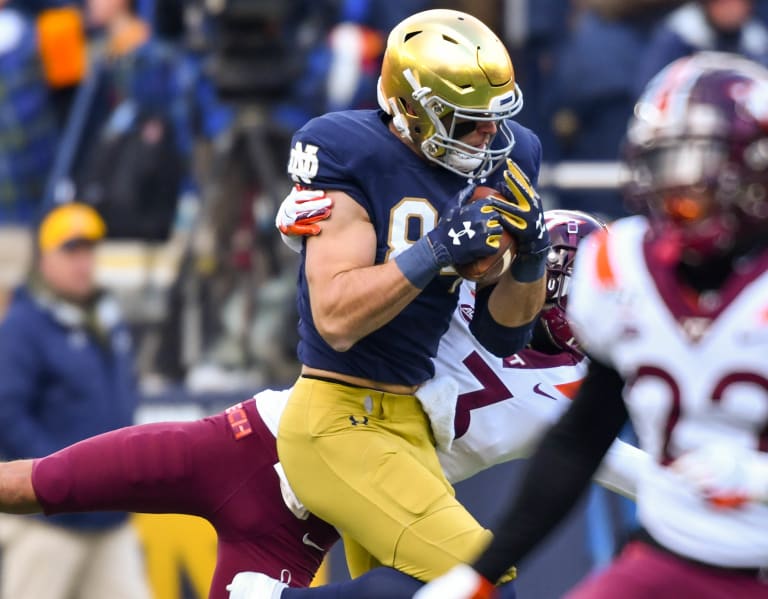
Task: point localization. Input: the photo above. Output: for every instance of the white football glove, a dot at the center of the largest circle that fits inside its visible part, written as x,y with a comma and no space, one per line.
299,214
460,582
725,475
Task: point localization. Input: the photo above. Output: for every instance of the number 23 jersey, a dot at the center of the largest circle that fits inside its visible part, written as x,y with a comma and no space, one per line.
695,374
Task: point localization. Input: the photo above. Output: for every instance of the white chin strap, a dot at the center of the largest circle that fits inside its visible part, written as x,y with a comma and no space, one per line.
465,163
381,98
390,107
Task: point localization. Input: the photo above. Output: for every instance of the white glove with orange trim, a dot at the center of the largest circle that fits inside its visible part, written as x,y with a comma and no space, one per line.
460,582
725,475
299,214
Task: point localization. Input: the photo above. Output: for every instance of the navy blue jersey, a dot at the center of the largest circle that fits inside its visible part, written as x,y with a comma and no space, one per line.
404,195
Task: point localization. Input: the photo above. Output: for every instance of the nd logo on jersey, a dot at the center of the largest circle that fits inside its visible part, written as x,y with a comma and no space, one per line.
302,163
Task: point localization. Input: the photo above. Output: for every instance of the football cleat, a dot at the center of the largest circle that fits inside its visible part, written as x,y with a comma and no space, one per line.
255,585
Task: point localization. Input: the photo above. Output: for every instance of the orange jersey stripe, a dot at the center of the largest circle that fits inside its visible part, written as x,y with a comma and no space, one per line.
569,389
603,268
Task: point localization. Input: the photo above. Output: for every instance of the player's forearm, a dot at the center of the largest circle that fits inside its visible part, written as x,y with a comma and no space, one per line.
500,339
16,493
512,304
359,301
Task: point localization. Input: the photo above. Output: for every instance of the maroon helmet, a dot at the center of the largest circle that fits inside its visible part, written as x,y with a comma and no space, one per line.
566,229
697,153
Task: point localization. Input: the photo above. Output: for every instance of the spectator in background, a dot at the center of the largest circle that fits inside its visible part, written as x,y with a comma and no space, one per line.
356,43
64,51
590,93
66,373
302,58
28,130
722,25
341,44
150,114
535,33
150,106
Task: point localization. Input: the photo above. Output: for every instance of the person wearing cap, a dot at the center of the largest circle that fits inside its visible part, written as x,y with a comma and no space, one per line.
66,373
699,26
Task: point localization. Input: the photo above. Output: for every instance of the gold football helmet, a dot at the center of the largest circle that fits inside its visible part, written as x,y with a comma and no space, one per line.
441,69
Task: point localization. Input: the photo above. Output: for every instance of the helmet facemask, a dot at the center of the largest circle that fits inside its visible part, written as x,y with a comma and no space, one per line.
697,155
445,145
566,228
687,188
449,123
553,319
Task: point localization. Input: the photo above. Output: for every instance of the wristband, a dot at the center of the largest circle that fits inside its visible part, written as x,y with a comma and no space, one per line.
418,263
527,268
498,339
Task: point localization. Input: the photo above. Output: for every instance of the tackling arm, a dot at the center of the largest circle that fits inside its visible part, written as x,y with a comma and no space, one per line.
573,449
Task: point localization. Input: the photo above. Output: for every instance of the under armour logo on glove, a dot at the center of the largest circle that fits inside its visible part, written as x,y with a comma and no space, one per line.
467,230
465,234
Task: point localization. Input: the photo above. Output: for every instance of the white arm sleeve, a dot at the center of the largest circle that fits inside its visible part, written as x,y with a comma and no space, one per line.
622,466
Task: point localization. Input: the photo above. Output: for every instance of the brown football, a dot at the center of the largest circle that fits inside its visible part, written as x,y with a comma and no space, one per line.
490,268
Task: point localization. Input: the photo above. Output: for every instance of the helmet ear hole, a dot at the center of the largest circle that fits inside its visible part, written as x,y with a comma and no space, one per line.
393,108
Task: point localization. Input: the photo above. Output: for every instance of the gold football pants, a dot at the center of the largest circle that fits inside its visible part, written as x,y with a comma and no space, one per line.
364,460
